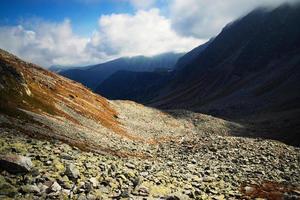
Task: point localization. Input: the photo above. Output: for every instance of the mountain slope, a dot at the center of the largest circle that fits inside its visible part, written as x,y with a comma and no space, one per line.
92,76
193,54
136,86
42,104
250,69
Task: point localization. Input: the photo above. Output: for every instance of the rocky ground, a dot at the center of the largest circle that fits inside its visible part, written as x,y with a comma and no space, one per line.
203,166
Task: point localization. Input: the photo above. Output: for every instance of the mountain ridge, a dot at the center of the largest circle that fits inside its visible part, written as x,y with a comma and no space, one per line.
92,76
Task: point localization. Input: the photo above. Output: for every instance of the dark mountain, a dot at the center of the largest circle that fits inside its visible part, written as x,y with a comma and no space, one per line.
92,76
193,54
250,70
136,86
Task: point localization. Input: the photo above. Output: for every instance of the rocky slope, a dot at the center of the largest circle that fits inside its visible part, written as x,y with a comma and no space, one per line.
58,140
205,166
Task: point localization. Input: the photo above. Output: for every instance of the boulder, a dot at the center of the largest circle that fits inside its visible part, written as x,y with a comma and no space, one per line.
72,172
15,164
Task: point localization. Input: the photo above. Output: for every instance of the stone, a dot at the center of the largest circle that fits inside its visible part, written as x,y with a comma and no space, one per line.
94,182
144,174
43,188
55,187
66,156
249,190
208,179
72,172
15,164
30,189
130,165
143,191
172,198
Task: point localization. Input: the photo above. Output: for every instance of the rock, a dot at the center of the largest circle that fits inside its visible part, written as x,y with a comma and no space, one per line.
144,174
208,179
43,188
55,187
88,165
48,162
72,172
6,188
82,197
143,191
88,187
15,164
136,181
172,198
130,165
66,156
249,190
94,182
30,189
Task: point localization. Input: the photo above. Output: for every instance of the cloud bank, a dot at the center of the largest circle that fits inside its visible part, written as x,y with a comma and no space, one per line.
204,18
143,33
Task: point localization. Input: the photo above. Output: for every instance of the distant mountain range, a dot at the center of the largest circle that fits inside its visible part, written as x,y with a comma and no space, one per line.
93,76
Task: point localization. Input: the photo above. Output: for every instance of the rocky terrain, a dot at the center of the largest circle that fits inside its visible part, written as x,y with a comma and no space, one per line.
201,166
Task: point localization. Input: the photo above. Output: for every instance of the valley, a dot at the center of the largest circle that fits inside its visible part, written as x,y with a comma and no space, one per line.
219,122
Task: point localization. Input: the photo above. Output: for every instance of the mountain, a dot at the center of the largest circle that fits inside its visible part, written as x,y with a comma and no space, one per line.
250,70
142,87
136,86
190,56
92,76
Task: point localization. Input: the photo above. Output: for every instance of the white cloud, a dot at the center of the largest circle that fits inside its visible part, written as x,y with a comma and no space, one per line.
45,43
205,18
144,33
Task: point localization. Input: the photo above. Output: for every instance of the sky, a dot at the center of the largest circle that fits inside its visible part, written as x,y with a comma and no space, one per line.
85,32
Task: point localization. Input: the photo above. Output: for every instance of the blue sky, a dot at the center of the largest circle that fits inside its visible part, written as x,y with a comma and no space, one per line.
84,13
84,32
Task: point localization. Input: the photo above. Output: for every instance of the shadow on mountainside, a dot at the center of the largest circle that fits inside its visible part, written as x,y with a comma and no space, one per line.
283,126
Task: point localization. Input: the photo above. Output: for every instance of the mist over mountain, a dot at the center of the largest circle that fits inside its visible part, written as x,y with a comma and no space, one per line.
92,76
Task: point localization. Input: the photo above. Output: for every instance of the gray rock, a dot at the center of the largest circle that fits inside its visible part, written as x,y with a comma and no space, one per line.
72,172
94,182
30,189
15,164
66,156
143,191
144,174
55,187
130,165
